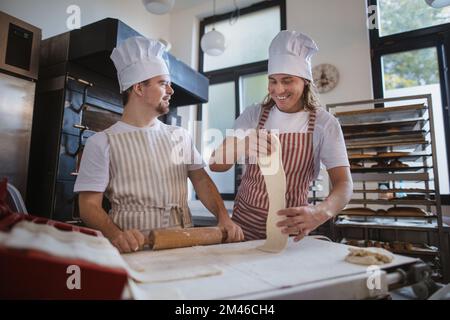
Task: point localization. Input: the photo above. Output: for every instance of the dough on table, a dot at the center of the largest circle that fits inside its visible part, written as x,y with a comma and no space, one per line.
275,180
369,256
163,266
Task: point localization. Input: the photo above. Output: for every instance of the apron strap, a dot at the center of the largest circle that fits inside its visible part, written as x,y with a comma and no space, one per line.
312,121
263,116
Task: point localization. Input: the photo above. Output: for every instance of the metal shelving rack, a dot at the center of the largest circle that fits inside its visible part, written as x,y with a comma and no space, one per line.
377,134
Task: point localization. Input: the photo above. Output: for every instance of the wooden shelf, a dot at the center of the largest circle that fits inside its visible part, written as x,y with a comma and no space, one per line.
389,216
368,225
400,125
381,177
394,191
384,137
382,114
399,145
388,169
417,252
361,135
393,202
410,156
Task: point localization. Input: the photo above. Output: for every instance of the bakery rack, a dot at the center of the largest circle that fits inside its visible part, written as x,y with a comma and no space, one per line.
396,200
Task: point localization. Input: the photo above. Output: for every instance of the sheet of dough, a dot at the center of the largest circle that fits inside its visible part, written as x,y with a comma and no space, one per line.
275,180
164,266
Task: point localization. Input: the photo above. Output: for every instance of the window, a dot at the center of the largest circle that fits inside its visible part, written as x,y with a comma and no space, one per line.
417,72
253,89
217,116
410,55
238,77
397,16
253,31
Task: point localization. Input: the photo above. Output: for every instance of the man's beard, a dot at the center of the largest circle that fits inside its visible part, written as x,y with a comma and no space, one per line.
162,109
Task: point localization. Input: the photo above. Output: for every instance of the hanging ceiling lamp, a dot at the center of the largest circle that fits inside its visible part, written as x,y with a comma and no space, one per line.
213,42
438,3
158,6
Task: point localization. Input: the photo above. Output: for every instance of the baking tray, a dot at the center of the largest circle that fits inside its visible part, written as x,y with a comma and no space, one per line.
393,191
385,134
403,145
400,125
383,114
393,202
387,169
405,156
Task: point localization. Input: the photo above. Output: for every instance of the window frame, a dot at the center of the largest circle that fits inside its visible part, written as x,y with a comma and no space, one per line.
434,36
233,74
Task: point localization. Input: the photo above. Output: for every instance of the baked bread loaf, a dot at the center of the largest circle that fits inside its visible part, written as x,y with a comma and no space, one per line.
380,164
392,154
358,212
402,246
356,164
407,212
397,164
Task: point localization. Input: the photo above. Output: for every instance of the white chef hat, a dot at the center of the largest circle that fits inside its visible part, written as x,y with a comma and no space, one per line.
290,53
138,59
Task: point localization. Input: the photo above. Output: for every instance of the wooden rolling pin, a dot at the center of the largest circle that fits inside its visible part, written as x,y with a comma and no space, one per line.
160,239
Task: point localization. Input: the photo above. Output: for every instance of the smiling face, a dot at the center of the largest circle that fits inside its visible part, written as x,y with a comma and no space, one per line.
287,91
157,92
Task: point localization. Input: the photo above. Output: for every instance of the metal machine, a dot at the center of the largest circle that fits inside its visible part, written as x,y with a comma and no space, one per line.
19,61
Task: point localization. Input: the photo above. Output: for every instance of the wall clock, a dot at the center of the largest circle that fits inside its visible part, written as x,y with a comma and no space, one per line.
326,77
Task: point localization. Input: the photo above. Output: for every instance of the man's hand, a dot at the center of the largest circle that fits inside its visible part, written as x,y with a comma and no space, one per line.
301,220
128,241
234,232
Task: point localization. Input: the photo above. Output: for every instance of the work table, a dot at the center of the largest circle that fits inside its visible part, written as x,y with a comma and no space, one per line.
309,269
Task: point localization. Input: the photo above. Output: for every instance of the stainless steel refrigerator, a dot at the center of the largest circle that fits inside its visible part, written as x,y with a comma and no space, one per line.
19,61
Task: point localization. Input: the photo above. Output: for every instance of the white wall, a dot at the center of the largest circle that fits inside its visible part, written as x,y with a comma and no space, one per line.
51,16
338,26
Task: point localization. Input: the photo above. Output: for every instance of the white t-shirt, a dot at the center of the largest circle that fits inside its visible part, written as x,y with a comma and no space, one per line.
94,168
328,140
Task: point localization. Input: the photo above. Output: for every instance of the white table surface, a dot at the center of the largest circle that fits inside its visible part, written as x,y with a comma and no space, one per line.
308,269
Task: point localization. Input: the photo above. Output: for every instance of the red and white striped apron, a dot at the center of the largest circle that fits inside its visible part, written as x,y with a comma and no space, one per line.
252,203
146,189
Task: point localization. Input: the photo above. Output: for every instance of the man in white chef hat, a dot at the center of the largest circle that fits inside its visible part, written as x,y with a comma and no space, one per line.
308,135
132,162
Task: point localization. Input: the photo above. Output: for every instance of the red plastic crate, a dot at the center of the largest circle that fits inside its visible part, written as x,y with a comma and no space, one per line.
33,274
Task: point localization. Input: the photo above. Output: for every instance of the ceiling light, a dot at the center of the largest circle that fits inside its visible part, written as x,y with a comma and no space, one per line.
158,6
213,42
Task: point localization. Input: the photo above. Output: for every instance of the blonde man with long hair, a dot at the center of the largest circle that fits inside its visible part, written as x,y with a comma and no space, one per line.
308,135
